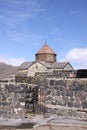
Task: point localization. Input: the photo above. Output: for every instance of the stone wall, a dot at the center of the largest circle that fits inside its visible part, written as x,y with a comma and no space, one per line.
61,96
36,67
57,74
46,57
66,98
67,92
14,99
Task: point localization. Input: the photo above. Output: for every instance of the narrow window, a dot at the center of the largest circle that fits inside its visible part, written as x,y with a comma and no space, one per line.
36,67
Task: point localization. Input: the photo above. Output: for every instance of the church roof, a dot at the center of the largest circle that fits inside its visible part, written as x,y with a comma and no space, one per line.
55,65
46,50
25,65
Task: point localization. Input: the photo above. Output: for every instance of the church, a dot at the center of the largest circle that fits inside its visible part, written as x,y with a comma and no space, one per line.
45,61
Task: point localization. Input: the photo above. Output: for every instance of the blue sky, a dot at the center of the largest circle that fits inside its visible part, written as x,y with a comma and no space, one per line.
25,24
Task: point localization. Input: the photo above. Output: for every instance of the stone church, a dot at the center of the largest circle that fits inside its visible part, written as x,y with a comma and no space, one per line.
45,61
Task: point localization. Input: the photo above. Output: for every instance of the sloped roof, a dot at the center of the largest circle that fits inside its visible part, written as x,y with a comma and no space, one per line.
55,65
45,50
25,65
59,65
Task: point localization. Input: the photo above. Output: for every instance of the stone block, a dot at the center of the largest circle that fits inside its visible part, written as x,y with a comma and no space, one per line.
84,105
0,98
85,88
10,88
52,82
2,112
60,88
54,103
4,103
70,104
62,103
72,113
72,99
80,87
53,93
77,104
63,93
66,99
4,98
21,99
49,97
69,93
47,92
58,93
60,82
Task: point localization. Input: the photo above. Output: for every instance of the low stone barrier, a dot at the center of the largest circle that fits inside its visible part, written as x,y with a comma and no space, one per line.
64,92
16,100
14,97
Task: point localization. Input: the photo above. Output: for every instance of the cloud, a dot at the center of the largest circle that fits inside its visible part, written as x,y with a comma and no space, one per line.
78,56
12,61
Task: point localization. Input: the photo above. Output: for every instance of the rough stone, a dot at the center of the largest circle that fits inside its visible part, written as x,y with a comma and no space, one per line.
58,93
52,82
70,104
15,98
84,105
77,104
69,93
61,82
60,88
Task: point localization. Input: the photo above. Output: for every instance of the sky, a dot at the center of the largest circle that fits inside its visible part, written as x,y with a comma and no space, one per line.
25,25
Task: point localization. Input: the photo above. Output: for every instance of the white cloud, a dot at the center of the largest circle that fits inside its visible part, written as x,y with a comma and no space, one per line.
78,56
12,61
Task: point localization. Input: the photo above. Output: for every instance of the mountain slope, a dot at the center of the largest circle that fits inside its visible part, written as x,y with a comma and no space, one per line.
6,70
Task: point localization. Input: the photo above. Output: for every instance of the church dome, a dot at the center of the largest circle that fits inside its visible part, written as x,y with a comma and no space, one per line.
46,54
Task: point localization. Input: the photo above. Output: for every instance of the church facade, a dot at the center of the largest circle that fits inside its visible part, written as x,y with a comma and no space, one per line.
45,61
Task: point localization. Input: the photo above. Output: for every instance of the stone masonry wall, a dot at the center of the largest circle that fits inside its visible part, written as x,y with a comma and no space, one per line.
57,96
66,98
13,99
58,74
66,92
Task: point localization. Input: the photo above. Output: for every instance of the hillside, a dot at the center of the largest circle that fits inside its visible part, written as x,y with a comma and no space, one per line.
6,70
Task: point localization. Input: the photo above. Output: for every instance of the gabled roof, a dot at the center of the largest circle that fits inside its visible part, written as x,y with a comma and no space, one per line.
26,65
59,65
45,50
55,65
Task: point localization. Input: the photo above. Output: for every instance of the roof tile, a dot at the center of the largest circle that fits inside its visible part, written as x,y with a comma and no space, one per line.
46,49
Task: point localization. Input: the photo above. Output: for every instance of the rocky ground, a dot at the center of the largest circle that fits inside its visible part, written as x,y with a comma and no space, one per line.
48,127
40,123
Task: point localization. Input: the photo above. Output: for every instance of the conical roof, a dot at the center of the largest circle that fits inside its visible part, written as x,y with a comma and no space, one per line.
46,50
